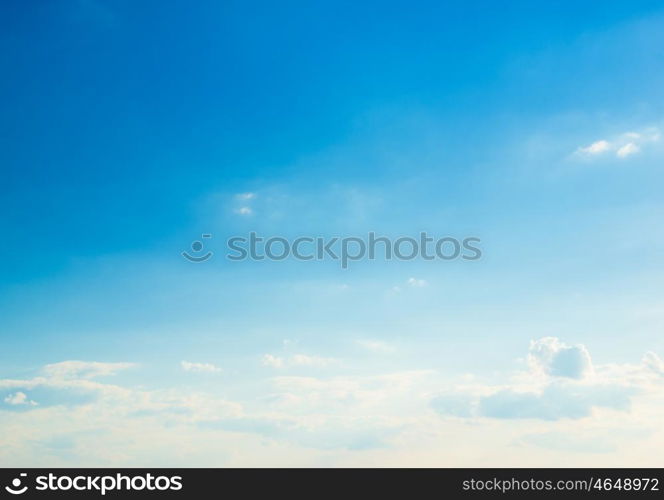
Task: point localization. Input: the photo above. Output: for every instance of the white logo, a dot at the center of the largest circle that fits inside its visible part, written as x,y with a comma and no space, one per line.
16,483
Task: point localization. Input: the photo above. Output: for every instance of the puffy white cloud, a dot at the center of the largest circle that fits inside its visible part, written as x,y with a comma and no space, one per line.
199,367
245,196
19,398
550,356
561,383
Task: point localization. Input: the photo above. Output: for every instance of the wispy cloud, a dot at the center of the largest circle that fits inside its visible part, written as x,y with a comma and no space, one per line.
653,362
84,369
409,283
627,150
621,146
244,203
595,148
297,360
244,211
376,346
199,367
272,361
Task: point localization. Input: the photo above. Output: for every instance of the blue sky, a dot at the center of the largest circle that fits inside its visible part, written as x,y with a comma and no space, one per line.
130,130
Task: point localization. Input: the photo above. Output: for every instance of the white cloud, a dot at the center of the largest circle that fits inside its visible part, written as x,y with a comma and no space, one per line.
244,211
627,150
550,356
19,398
554,401
654,362
409,283
557,400
199,367
297,360
400,391
561,383
273,361
623,145
317,361
650,134
349,420
595,148
244,202
376,346
416,283
83,369
129,426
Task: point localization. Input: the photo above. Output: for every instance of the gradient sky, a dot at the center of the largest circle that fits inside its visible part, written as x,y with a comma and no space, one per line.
130,129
